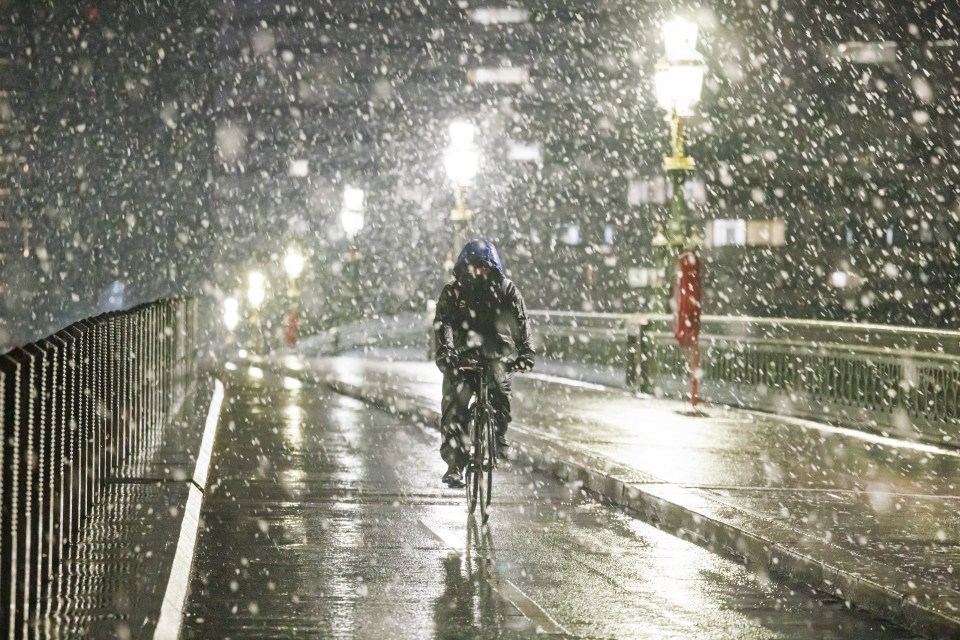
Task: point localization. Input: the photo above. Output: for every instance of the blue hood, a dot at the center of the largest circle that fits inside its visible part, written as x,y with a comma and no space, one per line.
478,252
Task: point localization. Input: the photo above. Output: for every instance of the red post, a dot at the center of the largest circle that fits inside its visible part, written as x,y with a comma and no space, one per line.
686,314
290,330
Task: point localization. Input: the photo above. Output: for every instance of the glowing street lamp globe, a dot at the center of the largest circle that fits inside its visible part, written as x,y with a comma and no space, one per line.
679,75
679,39
231,313
256,289
679,86
462,134
352,222
461,165
351,215
293,263
352,198
461,159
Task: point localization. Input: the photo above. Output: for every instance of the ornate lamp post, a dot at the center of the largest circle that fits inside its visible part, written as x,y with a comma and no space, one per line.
231,318
351,218
461,160
679,83
293,263
256,294
351,215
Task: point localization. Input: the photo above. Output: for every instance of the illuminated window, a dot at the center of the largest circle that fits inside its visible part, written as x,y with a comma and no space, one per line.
726,233
658,190
652,191
499,75
499,15
521,152
609,234
766,233
866,52
644,277
570,234
298,168
746,233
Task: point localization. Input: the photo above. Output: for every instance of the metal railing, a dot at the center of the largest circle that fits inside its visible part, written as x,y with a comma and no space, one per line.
80,408
400,331
899,380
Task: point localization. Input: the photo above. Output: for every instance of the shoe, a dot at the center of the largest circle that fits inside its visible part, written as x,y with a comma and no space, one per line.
502,443
453,479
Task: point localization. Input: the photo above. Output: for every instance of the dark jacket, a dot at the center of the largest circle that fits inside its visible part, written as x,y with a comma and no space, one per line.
491,317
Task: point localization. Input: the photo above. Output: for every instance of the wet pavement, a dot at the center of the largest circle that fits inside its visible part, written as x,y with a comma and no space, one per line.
324,517
113,577
869,518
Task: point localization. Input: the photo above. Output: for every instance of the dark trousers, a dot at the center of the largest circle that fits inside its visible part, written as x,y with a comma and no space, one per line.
455,411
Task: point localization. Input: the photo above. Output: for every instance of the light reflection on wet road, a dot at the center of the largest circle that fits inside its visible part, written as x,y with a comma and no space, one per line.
325,518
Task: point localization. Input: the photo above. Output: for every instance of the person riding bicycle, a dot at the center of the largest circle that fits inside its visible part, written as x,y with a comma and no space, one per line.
480,314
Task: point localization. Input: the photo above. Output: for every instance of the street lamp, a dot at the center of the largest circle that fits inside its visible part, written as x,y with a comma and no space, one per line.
351,218
679,83
231,317
351,215
462,161
293,263
256,294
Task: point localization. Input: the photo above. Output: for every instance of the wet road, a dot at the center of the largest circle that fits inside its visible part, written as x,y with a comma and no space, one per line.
325,518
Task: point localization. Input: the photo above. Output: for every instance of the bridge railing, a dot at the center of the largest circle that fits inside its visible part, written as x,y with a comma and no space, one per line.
80,407
899,380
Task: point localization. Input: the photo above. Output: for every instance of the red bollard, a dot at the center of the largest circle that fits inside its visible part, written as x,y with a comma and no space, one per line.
290,330
686,314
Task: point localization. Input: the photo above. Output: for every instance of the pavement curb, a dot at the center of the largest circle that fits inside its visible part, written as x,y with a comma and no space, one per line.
707,521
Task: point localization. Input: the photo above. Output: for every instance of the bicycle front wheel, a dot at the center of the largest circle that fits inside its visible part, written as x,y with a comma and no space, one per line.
487,459
491,459
474,471
474,481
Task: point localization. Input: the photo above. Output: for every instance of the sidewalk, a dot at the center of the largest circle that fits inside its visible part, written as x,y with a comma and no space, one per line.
869,519
115,578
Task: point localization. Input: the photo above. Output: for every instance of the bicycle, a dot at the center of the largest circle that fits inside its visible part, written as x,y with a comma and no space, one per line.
483,440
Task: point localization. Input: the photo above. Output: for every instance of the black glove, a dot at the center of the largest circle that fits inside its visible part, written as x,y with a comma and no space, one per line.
523,363
449,363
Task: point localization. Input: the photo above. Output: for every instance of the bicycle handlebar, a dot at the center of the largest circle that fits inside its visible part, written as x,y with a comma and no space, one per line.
512,367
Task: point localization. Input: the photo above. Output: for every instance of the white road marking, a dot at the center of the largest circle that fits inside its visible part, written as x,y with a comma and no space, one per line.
506,589
175,596
209,432
870,437
570,382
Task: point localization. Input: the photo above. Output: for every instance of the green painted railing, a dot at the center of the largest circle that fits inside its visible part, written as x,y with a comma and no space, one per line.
898,380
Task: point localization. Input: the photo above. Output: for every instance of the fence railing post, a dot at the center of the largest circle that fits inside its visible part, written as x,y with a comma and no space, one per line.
639,355
632,363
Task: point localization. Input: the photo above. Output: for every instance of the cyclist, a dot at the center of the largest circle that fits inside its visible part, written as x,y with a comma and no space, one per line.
479,313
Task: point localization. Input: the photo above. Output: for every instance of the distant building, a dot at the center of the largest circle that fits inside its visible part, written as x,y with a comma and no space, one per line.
15,85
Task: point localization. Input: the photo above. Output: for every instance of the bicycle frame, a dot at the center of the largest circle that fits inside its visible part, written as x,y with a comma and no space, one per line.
483,445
